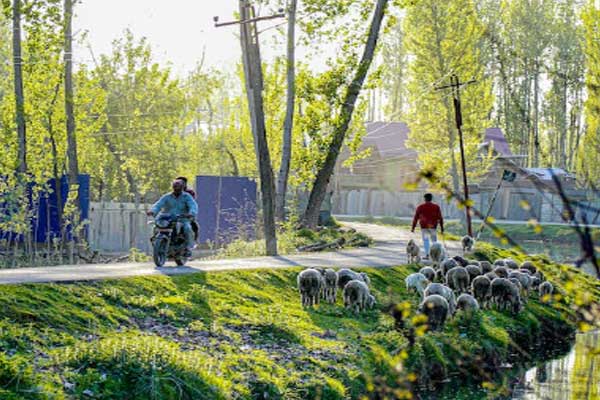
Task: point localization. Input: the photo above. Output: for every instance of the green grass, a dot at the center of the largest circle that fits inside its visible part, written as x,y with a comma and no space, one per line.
243,334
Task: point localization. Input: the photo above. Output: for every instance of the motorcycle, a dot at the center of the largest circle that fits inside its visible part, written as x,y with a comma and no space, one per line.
168,240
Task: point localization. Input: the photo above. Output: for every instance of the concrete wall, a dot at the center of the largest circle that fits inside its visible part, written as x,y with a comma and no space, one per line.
117,227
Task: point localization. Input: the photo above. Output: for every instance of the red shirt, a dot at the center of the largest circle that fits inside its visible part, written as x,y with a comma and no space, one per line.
428,214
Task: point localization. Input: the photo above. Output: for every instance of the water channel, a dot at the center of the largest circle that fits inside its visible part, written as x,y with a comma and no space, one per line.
575,376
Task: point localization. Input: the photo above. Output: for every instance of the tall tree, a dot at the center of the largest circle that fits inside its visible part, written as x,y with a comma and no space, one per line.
395,67
589,162
18,83
318,192
443,38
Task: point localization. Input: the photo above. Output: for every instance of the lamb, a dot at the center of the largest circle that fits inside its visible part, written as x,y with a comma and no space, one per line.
486,266
365,278
510,263
523,279
310,283
481,289
502,272
474,271
528,265
330,287
467,303
445,292
356,295
437,253
460,260
506,295
467,243
416,282
436,308
370,302
346,275
545,289
458,279
412,251
428,272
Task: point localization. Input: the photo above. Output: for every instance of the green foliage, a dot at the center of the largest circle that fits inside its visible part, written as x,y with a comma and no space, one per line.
443,39
589,160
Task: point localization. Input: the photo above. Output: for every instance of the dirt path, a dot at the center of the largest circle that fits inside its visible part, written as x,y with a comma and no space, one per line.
388,250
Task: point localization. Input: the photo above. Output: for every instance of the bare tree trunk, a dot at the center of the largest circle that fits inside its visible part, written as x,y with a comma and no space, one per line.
319,189
254,87
286,153
19,96
73,166
536,111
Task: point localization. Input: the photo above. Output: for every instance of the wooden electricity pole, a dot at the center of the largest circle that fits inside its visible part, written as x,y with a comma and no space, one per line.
455,85
254,88
69,108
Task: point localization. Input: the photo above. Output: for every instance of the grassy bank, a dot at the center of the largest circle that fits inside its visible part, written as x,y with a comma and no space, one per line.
245,335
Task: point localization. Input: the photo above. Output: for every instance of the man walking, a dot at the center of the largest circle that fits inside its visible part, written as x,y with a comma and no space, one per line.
428,214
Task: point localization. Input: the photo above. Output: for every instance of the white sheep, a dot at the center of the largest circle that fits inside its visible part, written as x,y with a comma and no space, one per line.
356,295
467,243
416,282
412,252
437,254
330,287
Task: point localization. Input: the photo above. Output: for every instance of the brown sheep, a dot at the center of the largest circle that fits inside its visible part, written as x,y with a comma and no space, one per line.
412,251
467,303
474,271
486,266
458,279
481,289
505,295
436,308
310,283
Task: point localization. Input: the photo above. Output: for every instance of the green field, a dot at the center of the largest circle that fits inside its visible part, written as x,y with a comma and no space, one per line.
244,335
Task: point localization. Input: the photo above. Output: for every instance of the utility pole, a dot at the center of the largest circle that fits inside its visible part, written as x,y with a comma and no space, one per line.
73,166
455,85
254,88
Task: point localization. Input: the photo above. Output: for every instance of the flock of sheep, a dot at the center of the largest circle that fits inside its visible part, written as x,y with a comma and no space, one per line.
456,283
448,285
316,284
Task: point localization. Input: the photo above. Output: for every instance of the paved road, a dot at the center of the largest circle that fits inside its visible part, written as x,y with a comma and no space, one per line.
389,250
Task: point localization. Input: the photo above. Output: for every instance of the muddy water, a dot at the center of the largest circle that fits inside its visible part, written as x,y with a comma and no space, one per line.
575,376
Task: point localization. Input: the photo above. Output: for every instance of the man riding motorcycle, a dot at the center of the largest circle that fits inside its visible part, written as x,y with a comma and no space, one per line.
178,202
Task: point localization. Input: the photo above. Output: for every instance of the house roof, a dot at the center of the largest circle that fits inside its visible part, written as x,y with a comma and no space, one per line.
545,174
496,137
388,139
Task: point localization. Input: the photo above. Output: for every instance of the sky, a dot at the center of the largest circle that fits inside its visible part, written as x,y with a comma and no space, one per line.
178,30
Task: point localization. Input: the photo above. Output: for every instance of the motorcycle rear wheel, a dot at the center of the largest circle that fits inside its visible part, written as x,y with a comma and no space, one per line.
159,252
180,261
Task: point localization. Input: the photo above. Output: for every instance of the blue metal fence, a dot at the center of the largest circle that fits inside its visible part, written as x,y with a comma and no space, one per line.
226,208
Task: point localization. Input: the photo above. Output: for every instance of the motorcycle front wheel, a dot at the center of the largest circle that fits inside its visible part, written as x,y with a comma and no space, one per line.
180,261
159,251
